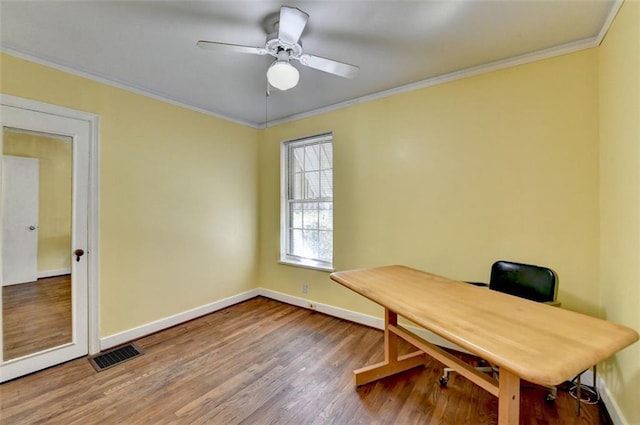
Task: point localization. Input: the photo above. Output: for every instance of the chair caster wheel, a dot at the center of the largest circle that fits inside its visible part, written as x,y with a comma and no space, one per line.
443,381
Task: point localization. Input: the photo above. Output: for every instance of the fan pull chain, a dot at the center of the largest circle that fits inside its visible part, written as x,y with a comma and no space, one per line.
266,106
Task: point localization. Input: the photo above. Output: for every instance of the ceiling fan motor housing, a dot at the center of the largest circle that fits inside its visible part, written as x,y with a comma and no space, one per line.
275,45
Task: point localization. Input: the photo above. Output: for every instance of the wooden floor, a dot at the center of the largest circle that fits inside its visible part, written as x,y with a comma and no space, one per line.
261,362
36,316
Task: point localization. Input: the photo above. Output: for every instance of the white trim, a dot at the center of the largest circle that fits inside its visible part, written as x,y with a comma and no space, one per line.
121,85
352,316
93,238
39,133
605,395
287,149
51,273
609,402
449,77
46,108
609,21
340,313
551,52
158,325
304,265
93,280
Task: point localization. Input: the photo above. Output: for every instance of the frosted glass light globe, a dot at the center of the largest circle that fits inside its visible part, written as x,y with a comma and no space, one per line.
282,75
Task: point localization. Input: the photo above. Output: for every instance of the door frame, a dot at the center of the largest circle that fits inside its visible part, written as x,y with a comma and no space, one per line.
93,234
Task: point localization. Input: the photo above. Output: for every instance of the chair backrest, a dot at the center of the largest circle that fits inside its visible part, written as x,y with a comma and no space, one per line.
524,280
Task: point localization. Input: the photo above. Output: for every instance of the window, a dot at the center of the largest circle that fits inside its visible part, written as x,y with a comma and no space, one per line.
307,202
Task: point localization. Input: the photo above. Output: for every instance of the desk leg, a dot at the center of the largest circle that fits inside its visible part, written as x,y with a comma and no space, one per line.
508,398
390,339
392,364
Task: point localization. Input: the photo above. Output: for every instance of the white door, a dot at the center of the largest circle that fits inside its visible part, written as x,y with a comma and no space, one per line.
79,133
19,219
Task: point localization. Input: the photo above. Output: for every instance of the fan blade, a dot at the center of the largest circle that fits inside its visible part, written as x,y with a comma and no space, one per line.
237,48
329,65
291,24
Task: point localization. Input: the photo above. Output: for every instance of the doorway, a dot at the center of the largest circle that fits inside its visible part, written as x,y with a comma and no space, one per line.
20,210
48,247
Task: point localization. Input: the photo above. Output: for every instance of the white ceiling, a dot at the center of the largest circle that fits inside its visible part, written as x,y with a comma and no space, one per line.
150,46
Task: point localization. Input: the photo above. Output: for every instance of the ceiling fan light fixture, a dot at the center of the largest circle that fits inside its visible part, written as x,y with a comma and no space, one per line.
282,75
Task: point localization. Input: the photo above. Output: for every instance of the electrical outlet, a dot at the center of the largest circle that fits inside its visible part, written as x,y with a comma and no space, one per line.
305,288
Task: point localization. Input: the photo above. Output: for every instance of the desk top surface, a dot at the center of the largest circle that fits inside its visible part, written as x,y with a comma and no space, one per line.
540,343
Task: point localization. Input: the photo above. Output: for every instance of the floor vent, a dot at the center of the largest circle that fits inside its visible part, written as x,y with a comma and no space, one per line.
114,357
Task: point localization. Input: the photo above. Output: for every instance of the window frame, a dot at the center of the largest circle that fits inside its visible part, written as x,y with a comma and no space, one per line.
286,255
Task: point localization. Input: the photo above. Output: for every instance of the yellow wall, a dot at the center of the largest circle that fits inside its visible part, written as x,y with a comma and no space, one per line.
532,164
453,177
54,204
619,59
178,197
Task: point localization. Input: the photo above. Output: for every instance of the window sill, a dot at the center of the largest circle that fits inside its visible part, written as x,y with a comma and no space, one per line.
307,265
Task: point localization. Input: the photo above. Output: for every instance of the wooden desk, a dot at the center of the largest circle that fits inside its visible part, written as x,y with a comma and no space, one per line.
527,340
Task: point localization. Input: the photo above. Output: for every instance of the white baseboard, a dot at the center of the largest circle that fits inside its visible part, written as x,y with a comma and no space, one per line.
52,273
609,402
605,395
375,322
41,275
352,316
340,313
149,328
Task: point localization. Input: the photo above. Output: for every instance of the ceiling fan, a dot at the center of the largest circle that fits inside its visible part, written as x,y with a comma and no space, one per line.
284,44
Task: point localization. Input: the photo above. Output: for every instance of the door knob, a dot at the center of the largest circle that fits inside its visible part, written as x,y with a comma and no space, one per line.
32,228
78,253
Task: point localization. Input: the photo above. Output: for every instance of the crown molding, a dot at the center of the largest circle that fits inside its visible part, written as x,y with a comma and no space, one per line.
607,22
560,50
551,52
120,85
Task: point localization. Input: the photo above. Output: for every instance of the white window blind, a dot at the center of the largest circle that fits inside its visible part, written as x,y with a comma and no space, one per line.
307,201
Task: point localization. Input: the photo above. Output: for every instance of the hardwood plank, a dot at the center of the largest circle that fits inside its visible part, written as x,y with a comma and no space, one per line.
264,362
36,316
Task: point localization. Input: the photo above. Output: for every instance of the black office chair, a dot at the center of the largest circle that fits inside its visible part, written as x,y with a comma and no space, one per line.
525,281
